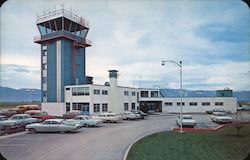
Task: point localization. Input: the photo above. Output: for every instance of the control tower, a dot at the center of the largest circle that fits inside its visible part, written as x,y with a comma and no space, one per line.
63,42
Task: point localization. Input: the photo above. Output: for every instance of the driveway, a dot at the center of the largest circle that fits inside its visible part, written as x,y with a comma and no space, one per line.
108,142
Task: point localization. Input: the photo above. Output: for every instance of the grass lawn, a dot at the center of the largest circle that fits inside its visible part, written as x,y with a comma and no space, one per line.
217,145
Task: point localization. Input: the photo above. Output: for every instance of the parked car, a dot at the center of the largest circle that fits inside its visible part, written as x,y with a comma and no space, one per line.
52,125
187,121
244,108
24,119
218,110
84,120
142,114
107,117
221,117
131,116
43,115
7,112
72,114
23,108
6,126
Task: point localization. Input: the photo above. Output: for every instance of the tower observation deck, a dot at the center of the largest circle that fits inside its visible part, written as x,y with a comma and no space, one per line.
63,42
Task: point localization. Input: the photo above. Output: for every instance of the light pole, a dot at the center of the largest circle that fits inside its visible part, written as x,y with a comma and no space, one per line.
180,65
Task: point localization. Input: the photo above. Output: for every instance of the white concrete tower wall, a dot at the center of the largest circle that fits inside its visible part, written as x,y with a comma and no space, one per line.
58,70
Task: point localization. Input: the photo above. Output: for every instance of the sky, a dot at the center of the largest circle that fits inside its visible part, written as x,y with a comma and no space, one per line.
210,37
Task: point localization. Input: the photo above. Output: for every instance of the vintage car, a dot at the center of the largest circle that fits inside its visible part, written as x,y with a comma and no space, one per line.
7,112
244,108
142,114
24,119
221,117
187,121
218,110
130,116
107,117
72,114
52,125
23,108
7,126
43,115
84,120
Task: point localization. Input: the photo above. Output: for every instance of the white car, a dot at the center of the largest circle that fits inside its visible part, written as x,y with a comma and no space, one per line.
221,117
130,116
187,120
84,120
107,117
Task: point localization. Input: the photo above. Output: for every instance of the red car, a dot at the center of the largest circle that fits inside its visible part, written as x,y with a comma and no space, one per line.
43,115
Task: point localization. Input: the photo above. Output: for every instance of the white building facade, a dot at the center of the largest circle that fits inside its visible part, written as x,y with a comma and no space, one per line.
95,99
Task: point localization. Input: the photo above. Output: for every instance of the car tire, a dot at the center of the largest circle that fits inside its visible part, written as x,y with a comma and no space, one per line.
32,130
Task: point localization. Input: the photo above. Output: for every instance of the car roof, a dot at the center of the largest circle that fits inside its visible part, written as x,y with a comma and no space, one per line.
2,116
57,120
34,111
81,116
21,115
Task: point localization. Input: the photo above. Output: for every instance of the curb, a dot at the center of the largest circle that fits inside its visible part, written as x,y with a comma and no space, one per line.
127,150
13,135
208,129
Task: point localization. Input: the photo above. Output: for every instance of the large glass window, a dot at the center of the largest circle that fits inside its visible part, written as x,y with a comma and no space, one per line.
154,94
96,91
126,93
96,107
80,91
105,107
144,93
67,107
133,106
125,106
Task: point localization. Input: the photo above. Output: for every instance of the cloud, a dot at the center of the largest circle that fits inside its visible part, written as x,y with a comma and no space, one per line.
20,76
135,36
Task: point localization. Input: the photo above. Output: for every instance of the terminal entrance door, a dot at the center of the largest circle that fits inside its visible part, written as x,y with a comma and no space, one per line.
84,107
151,106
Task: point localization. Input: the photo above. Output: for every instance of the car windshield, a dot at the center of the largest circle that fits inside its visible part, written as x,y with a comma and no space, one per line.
3,118
187,117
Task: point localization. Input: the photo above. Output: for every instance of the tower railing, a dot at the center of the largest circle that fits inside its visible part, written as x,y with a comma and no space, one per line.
63,33
62,13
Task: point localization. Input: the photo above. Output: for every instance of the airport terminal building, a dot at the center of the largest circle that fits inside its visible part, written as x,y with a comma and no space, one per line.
66,87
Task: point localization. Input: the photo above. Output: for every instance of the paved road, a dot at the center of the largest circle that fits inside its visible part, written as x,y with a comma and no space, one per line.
108,142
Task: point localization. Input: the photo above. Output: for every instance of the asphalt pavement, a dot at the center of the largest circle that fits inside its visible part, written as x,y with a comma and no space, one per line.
108,142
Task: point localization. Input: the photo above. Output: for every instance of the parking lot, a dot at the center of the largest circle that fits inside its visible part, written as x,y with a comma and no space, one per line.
108,142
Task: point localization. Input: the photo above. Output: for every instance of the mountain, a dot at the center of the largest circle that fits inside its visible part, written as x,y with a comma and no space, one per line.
24,95
21,95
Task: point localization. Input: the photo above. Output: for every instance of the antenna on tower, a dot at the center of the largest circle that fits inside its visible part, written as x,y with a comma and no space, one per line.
62,6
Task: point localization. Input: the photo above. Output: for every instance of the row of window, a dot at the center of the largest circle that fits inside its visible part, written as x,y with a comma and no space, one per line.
79,91
104,107
98,92
126,106
194,103
153,94
44,72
